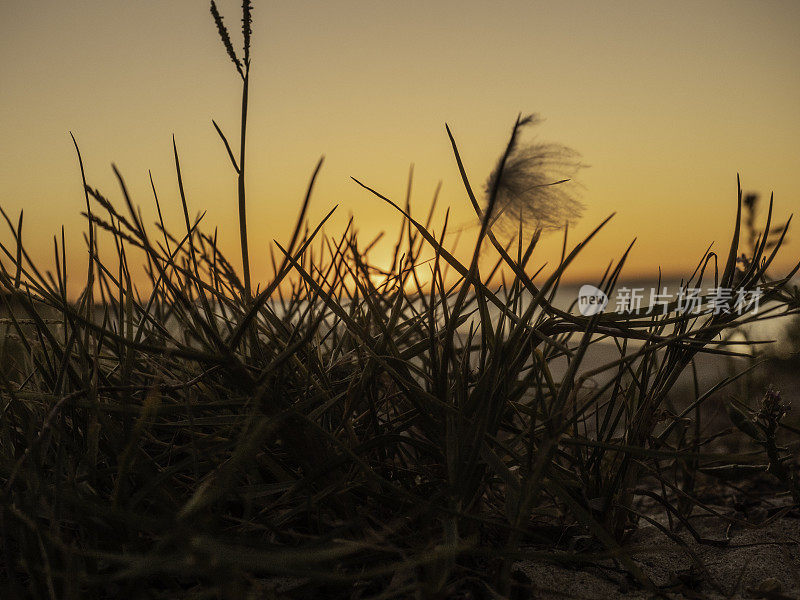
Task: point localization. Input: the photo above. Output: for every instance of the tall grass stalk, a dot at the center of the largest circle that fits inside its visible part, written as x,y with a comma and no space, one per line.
243,69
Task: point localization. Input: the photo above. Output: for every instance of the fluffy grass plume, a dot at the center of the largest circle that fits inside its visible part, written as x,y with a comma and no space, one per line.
533,184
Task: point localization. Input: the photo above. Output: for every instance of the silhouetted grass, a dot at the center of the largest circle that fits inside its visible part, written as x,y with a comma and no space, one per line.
363,436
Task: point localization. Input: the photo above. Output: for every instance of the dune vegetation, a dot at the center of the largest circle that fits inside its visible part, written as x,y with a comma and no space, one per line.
341,430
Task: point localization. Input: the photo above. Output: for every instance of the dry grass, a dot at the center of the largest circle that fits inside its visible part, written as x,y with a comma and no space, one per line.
372,437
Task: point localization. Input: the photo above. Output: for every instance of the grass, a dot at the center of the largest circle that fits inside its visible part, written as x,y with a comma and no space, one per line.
362,433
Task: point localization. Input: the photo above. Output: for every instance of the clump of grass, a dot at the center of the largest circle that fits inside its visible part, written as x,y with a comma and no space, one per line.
397,437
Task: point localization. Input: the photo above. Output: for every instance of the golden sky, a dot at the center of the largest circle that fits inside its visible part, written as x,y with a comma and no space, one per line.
665,101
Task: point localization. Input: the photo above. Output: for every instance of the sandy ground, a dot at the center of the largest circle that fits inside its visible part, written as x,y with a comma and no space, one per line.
757,562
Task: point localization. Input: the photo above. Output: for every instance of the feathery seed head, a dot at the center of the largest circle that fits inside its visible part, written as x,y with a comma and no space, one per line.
535,185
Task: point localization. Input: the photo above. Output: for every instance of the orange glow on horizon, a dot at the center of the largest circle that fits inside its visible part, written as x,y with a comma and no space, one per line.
665,103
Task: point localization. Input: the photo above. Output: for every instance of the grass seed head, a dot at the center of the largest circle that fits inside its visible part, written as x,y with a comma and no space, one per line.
535,185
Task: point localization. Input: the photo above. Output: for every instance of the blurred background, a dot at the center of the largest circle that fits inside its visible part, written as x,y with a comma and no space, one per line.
665,102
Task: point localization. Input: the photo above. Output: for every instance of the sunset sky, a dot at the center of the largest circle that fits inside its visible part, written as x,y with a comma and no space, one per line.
665,101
